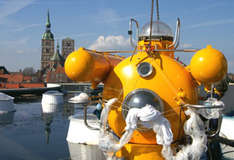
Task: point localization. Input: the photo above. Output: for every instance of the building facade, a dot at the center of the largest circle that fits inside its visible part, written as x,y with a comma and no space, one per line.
68,46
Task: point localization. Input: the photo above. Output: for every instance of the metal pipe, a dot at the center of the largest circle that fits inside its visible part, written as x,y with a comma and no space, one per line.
156,50
197,106
218,128
175,50
177,35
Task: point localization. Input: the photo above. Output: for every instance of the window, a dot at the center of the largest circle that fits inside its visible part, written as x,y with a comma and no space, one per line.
47,50
47,43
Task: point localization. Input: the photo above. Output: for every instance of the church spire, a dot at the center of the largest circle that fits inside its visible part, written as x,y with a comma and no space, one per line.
48,20
56,56
48,34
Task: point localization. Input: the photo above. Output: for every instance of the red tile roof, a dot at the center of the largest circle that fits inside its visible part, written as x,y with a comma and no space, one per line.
18,80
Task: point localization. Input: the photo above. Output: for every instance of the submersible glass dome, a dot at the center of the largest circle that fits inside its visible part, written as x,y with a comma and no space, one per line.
139,98
160,30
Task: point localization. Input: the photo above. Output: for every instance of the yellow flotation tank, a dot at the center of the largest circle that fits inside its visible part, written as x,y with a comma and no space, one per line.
208,65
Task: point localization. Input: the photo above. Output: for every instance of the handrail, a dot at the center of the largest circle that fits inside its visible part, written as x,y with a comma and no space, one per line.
85,117
130,31
132,51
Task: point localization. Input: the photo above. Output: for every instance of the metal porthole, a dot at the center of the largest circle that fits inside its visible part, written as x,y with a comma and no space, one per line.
144,69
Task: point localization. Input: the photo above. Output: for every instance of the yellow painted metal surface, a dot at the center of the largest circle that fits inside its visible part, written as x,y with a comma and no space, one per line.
140,152
167,81
208,65
164,44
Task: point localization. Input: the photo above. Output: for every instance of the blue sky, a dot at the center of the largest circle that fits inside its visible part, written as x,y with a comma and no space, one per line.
103,24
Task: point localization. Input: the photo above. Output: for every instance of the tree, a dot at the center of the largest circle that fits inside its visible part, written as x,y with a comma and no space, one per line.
29,71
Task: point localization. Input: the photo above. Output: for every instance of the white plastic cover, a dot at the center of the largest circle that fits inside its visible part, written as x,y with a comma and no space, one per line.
79,133
162,128
110,144
132,118
6,103
155,120
227,129
5,97
209,113
52,97
49,108
193,127
81,98
107,142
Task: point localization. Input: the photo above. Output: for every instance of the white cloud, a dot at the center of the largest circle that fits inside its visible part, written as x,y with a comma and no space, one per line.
16,57
211,23
110,16
186,45
19,51
16,43
16,54
111,43
22,28
211,6
107,16
84,34
9,7
81,35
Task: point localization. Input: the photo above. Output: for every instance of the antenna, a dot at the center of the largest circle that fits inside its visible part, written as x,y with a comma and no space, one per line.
151,23
157,10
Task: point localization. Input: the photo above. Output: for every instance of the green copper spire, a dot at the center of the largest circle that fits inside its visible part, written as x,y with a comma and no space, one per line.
48,20
48,34
57,57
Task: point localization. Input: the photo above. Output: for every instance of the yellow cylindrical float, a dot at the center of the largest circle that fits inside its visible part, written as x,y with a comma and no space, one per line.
89,66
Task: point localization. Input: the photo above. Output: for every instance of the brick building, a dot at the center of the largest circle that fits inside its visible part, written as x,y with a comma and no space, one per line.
56,73
17,80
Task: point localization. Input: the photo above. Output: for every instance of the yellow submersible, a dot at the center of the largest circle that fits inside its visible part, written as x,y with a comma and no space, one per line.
150,76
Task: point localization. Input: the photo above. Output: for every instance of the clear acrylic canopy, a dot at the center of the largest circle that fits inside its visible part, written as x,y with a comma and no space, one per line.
158,29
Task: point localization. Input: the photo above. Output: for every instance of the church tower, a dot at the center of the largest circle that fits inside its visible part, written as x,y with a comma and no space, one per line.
68,46
47,44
